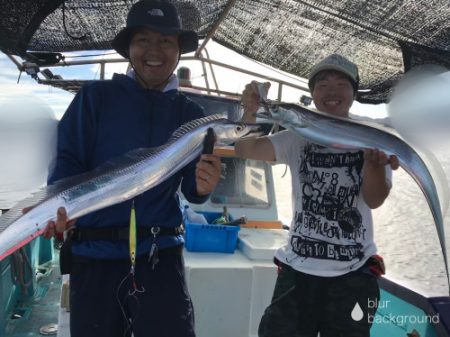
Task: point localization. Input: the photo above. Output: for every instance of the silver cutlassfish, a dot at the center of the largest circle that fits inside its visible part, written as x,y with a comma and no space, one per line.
114,182
343,133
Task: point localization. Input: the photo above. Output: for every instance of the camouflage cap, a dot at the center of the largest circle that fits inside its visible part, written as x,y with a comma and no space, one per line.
338,63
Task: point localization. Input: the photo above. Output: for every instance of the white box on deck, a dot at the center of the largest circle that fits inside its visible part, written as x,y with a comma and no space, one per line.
231,291
261,244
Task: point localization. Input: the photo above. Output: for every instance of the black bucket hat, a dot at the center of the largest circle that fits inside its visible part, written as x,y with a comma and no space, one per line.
158,16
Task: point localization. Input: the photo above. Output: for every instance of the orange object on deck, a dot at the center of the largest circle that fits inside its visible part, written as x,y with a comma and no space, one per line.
271,224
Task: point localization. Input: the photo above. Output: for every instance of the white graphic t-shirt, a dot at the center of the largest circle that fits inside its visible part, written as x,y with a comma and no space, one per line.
331,232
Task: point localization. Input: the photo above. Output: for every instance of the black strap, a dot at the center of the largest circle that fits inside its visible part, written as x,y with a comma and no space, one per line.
65,256
122,233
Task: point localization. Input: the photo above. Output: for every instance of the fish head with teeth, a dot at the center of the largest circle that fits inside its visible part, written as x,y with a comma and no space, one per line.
228,132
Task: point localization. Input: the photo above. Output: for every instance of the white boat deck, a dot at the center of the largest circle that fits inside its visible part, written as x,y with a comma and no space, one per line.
229,291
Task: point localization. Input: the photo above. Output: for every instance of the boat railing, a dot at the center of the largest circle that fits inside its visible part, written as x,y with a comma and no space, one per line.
47,77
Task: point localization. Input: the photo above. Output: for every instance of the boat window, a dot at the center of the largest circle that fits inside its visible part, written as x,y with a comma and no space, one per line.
243,183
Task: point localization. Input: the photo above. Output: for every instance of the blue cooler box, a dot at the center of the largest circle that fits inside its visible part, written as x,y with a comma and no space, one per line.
209,237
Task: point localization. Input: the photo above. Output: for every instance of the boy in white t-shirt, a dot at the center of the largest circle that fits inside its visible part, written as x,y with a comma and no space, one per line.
329,265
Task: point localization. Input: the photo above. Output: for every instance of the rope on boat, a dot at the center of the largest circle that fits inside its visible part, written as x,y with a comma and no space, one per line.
20,264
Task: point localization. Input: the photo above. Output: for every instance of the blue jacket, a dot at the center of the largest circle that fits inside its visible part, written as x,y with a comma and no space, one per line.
107,119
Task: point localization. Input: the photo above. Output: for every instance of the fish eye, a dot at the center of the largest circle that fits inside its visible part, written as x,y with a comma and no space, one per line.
239,127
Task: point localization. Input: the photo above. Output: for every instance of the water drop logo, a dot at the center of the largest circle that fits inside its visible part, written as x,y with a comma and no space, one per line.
357,313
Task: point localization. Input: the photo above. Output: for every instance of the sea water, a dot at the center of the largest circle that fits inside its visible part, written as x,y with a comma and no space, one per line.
28,129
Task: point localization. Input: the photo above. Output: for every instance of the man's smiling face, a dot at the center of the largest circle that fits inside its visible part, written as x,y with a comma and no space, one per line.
333,93
154,57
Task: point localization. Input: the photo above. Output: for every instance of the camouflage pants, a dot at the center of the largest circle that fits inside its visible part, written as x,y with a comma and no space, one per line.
303,305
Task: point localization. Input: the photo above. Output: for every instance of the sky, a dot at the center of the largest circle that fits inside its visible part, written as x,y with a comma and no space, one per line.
59,99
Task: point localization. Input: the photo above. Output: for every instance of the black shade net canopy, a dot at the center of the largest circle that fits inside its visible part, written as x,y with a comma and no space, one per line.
385,38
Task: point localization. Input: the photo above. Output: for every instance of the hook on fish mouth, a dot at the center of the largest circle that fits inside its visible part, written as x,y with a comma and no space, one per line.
268,110
263,115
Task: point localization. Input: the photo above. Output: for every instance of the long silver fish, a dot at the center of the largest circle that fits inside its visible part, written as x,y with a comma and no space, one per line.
116,181
343,133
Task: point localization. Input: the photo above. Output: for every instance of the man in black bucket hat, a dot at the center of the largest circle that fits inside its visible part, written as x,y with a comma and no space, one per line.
161,17
106,119
154,27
